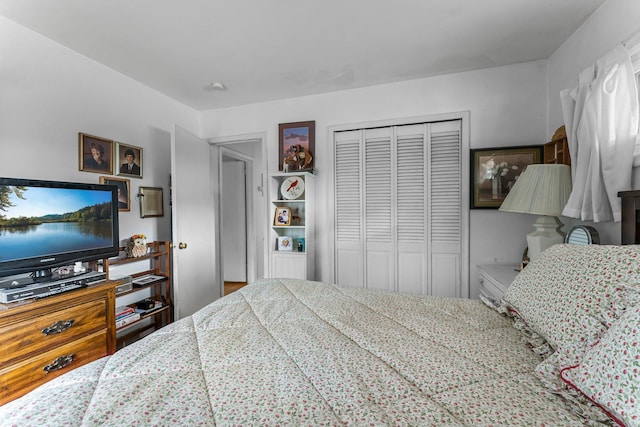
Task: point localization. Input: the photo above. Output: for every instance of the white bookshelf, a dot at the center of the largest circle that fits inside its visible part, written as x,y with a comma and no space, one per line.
294,263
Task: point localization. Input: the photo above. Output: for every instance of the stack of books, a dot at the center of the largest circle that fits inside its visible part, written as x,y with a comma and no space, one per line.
125,315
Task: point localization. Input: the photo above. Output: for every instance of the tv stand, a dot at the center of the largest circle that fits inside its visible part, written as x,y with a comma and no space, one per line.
76,327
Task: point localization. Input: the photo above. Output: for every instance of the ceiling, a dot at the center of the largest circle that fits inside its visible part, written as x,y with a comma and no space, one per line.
265,50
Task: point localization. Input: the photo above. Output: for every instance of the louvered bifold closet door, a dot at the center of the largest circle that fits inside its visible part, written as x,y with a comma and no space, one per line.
349,250
379,209
445,213
411,199
399,208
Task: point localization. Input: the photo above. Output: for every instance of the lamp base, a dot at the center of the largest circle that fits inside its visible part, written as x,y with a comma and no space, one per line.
547,233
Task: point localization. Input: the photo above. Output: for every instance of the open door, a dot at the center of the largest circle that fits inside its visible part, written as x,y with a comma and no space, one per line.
195,281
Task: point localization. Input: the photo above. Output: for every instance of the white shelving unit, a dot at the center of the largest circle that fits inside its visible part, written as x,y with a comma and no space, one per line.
298,262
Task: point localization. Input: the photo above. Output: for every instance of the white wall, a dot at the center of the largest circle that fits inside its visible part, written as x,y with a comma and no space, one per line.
506,105
49,93
614,22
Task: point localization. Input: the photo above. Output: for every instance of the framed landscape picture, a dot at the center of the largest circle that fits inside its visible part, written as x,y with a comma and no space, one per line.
296,146
494,171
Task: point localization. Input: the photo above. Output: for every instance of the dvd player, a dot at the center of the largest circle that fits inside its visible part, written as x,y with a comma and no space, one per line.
12,291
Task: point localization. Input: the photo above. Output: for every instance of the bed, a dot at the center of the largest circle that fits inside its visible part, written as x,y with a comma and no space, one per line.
293,352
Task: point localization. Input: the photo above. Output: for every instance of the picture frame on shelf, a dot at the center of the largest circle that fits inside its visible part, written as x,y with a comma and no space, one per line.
494,171
95,154
151,202
296,146
282,216
285,243
124,198
129,159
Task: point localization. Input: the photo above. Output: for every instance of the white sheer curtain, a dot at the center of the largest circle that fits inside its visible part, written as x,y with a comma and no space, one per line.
633,48
602,117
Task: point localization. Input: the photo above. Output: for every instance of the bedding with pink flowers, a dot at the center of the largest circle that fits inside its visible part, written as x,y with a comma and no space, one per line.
291,352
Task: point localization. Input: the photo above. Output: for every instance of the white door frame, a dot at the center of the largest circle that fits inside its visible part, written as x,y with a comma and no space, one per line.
224,145
249,208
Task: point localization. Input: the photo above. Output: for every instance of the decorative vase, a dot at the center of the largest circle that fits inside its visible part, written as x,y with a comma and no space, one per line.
496,187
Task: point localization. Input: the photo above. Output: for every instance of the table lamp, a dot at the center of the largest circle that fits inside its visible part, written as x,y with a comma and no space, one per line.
541,190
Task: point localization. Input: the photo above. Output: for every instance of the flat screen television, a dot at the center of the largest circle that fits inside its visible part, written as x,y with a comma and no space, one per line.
48,224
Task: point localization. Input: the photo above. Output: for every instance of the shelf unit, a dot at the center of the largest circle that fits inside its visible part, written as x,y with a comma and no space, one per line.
556,151
298,264
158,264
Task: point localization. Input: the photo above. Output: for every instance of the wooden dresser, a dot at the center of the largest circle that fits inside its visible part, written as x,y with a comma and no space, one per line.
42,339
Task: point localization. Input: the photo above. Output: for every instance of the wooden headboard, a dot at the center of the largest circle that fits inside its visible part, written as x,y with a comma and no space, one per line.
630,226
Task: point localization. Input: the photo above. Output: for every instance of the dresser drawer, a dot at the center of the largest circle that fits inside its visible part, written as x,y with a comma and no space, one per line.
24,376
491,288
29,337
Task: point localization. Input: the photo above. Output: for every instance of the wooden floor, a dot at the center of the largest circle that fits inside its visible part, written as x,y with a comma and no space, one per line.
232,286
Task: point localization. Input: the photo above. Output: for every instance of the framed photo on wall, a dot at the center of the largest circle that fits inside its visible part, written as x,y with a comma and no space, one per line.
95,154
296,146
129,159
494,171
124,194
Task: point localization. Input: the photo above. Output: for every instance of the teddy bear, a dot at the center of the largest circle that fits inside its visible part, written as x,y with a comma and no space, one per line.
297,159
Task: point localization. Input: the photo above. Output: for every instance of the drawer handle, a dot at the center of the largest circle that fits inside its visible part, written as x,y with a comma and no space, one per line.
59,326
59,363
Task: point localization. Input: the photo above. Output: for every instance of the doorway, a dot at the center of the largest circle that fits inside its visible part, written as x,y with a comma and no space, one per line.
233,196
244,152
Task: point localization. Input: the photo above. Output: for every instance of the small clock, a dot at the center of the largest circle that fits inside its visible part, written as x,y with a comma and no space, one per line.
292,187
583,235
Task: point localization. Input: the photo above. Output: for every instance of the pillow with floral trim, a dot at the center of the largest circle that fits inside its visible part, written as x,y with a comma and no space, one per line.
567,294
609,374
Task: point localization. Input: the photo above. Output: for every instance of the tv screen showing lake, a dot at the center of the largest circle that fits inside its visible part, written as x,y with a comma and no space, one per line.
36,222
52,238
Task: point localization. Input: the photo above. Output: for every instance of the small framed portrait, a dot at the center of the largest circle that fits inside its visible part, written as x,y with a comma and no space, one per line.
494,171
124,191
285,243
151,202
95,154
297,146
129,159
282,216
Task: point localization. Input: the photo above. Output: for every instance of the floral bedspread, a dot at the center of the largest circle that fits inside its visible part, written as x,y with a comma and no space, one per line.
292,352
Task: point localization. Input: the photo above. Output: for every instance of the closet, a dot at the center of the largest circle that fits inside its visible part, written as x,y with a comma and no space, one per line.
399,222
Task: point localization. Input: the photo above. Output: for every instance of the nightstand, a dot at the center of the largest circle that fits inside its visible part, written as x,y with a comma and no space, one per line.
495,279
